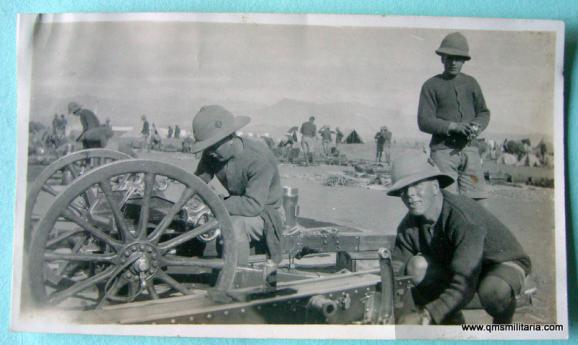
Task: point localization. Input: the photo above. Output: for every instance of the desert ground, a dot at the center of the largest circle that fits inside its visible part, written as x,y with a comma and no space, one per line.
528,211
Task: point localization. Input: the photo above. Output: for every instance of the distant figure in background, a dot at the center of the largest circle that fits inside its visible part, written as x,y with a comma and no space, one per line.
338,136
155,138
292,136
63,124
170,135
287,145
387,144
93,134
380,139
177,132
59,127
542,152
326,139
187,144
146,133
308,136
55,123
108,124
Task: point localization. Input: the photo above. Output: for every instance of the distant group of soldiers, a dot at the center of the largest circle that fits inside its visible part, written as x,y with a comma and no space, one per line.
176,133
309,132
309,138
151,136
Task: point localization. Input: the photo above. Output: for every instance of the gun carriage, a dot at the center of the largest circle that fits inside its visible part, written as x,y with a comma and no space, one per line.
141,241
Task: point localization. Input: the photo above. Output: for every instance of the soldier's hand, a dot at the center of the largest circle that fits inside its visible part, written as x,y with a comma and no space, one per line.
474,128
460,128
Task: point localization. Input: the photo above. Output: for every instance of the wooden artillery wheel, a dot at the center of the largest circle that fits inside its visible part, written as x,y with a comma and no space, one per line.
89,255
48,181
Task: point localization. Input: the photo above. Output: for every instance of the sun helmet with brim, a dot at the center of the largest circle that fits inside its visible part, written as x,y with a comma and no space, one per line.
454,44
73,107
408,170
212,124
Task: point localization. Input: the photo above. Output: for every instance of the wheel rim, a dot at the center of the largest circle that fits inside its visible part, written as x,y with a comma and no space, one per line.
79,260
42,185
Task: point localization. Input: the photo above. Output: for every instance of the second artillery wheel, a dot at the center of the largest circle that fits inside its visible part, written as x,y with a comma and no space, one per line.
62,172
133,241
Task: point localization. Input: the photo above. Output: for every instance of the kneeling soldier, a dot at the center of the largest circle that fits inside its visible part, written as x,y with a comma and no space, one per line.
249,172
453,247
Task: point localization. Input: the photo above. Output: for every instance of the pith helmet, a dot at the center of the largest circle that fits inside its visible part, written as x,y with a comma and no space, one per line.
212,124
454,44
73,107
410,169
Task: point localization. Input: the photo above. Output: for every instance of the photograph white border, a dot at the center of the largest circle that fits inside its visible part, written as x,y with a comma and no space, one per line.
19,323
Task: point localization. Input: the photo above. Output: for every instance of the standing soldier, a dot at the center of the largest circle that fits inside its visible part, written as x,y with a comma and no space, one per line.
63,124
93,134
170,135
177,132
380,138
55,124
155,138
108,124
60,130
326,139
146,132
387,144
453,110
338,136
308,136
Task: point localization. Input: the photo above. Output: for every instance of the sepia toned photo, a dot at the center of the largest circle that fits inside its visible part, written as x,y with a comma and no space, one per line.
228,175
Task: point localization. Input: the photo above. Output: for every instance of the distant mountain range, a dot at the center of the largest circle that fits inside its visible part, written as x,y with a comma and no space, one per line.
274,119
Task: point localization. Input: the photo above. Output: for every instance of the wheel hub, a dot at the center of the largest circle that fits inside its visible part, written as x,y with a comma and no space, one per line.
143,258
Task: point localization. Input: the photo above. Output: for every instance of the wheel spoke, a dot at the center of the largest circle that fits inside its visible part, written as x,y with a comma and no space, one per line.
173,283
151,290
187,236
110,292
149,181
116,212
75,173
54,256
133,290
62,237
91,229
164,224
48,189
174,260
60,296
87,195
75,250
81,210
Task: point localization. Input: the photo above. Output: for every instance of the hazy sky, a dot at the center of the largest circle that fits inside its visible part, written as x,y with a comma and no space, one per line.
127,68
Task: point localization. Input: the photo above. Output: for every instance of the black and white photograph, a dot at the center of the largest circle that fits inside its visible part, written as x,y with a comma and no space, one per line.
237,175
